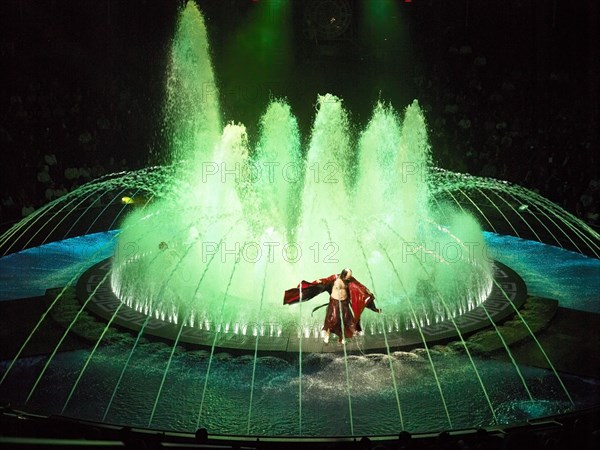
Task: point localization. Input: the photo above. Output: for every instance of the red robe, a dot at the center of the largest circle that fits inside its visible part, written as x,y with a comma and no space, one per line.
360,296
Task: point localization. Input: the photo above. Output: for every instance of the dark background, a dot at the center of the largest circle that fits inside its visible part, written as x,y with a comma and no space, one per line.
509,88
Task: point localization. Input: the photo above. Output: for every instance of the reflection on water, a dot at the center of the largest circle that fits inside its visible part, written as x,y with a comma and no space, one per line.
275,405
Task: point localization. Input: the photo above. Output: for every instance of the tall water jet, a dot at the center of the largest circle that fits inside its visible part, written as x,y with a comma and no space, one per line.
267,213
378,149
192,112
277,170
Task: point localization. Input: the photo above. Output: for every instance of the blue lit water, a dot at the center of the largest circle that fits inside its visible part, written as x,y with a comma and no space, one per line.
548,271
30,272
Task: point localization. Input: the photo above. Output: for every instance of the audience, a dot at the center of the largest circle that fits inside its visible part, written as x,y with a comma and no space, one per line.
485,121
55,135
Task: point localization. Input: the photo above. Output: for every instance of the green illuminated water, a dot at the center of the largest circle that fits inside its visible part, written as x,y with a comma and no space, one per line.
293,213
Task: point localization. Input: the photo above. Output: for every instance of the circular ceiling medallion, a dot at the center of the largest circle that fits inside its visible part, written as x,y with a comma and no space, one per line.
328,19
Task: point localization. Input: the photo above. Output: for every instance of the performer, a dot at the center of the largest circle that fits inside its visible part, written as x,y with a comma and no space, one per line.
347,300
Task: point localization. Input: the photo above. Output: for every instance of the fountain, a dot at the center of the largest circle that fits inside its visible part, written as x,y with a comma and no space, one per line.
274,217
208,242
